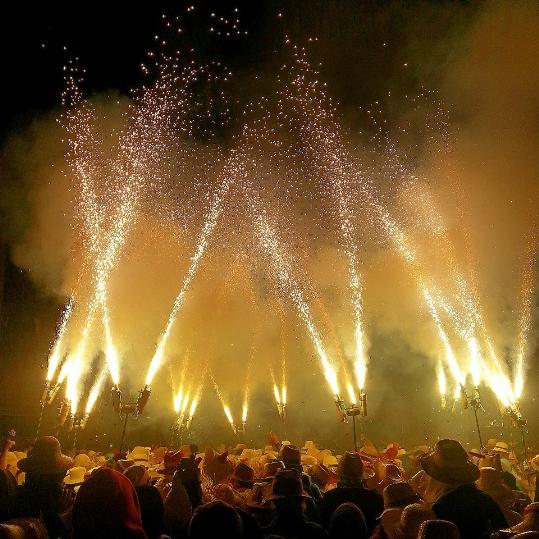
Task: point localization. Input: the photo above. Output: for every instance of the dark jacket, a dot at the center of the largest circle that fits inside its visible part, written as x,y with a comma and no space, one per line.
296,527
369,501
475,513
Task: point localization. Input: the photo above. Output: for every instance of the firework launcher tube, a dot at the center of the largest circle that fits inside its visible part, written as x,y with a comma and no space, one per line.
45,396
363,403
516,417
473,402
464,396
62,413
116,399
143,399
70,422
341,408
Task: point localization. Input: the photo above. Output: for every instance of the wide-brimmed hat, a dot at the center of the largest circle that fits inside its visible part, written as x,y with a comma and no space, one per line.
100,460
449,463
329,460
399,495
530,521
137,474
75,475
243,472
82,459
46,458
287,484
321,474
170,460
11,462
412,517
271,468
140,455
501,447
291,456
351,467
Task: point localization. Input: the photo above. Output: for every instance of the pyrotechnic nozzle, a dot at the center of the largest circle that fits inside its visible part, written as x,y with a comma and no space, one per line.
81,423
475,400
281,408
516,417
341,407
143,399
464,396
116,399
45,395
363,403
63,412
70,422
53,392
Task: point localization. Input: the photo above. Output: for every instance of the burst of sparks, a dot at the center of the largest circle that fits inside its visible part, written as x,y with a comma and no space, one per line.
55,356
95,391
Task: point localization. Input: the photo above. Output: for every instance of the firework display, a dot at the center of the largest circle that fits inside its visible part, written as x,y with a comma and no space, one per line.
277,208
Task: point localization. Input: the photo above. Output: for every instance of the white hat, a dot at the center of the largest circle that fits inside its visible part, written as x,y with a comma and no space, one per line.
75,475
330,460
140,455
82,459
501,447
11,462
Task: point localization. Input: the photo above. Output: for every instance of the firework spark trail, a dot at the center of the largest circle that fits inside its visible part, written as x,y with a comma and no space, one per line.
450,358
312,102
283,357
326,152
270,244
442,383
472,323
226,408
95,391
141,147
55,355
232,170
526,296
326,145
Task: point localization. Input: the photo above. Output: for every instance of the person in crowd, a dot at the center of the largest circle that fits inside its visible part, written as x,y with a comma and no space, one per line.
290,456
8,490
289,502
242,481
216,520
151,510
396,497
350,489
137,474
347,522
107,506
43,494
412,517
184,497
491,482
529,524
438,529
459,500
23,528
